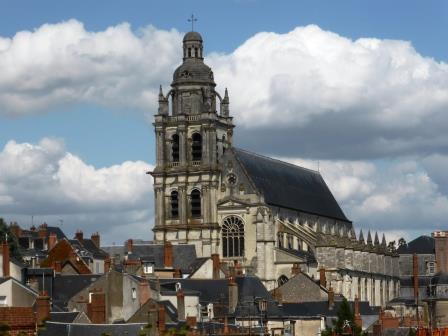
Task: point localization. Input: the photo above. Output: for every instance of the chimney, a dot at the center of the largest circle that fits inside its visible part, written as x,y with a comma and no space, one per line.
415,275
42,307
95,237
144,291
129,245
52,239
177,274
191,322
295,269
180,304
57,266
107,264
358,319
233,294
330,298
216,265
322,278
43,230
161,320
5,259
168,254
79,236
96,308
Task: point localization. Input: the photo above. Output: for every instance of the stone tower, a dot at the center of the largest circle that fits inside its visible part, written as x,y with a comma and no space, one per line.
193,129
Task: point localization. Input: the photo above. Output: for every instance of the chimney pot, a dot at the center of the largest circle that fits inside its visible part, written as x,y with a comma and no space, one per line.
130,245
52,239
330,298
177,274
6,259
42,307
95,237
79,236
322,277
168,254
180,305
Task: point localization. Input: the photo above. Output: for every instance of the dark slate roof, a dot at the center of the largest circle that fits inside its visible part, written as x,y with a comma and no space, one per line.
89,246
78,329
420,245
288,186
66,317
183,255
57,231
409,281
321,308
66,286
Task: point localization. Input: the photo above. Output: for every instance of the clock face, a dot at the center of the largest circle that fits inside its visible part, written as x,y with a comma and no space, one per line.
231,179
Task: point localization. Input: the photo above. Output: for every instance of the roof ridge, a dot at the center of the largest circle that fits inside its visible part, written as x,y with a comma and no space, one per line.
277,160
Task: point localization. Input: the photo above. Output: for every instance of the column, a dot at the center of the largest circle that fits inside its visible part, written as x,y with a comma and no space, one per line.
183,205
160,145
183,146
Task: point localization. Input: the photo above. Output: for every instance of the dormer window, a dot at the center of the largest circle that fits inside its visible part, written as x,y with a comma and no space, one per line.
148,268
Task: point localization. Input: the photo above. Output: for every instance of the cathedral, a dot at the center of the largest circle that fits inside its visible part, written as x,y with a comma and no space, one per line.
266,215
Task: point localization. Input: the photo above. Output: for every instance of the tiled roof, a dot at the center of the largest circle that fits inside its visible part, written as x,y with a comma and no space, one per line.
286,185
66,286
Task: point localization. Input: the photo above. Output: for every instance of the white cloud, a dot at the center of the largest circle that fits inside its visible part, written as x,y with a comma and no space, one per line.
50,183
61,64
397,197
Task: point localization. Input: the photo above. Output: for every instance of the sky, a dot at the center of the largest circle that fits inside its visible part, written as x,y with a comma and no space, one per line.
356,89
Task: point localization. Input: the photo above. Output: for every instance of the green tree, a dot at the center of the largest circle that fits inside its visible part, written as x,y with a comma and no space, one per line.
401,242
12,240
345,321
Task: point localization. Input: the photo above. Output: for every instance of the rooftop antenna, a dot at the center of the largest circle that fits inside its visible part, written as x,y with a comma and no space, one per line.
32,220
192,19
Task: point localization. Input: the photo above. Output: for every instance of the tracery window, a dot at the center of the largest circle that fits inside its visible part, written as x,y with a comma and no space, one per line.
282,280
195,202
196,147
233,237
174,204
175,148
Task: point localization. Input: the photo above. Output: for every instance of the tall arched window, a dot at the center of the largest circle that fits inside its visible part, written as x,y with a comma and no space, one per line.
175,148
174,204
195,199
196,147
232,237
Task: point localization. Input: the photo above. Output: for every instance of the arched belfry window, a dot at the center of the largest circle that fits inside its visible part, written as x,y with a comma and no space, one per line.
233,237
174,201
175,148
195,199
196,147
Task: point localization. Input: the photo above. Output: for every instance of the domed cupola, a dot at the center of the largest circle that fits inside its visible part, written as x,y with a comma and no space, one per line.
193,70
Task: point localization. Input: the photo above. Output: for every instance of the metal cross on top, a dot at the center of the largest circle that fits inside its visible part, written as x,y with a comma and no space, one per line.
192,19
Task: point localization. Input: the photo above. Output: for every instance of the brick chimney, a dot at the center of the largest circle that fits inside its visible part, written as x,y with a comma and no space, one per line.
129,245
5,259
180,304
191,322
42,232
52,239
79,236
144,291
95,237
168,254
358,319
330,298
161,320
216,265
57,266
295,269
233,294
107,264
322,277
42,307
415,275
96,308
177,274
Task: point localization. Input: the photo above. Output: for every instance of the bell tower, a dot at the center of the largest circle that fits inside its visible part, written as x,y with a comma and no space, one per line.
193,129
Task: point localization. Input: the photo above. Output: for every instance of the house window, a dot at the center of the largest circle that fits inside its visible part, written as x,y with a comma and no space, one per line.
175,148
282,280
174,204
196,147
195,203
431,267
3,300
133,294
148,268
233,237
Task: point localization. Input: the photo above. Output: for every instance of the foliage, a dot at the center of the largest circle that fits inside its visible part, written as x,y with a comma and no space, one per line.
391,246
12,240
4,329
345,320
401,242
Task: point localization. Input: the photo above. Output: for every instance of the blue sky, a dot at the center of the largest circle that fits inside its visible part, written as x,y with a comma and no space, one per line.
361,86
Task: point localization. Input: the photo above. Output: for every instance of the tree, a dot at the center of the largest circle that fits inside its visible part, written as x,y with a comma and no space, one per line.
391,246
345,321
12,240
401,242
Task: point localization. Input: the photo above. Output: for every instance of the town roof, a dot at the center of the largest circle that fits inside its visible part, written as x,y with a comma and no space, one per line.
81,329
289,186
420,245
321,308
66,286
89,246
